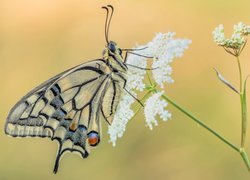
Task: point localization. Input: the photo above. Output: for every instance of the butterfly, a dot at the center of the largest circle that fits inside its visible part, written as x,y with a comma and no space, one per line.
69,107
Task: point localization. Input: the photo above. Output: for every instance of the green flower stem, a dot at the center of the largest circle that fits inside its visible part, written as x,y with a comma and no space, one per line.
149,79
244,121
240,72
241,151
200,123
243,106
245,158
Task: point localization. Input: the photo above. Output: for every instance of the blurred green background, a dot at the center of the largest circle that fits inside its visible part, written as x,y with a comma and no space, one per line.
40,38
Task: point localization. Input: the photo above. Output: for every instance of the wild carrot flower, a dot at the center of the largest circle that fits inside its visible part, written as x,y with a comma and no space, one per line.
163,49
155,106
136,76
237,41
123,114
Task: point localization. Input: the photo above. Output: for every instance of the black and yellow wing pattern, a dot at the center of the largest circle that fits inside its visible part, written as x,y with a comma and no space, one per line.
68,108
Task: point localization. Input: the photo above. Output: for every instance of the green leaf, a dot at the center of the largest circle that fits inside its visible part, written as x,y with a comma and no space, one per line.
224,81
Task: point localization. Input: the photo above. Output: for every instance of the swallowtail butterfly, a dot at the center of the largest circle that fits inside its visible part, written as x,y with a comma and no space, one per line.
69,107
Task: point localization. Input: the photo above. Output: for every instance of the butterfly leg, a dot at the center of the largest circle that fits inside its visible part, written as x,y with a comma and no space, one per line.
126,55
125,60
139,49
138,100
124,87
128,52
140,67
149,57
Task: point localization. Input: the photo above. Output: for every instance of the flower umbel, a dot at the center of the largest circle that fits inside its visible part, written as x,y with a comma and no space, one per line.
155,106
135,76
123,115
163,49
236,43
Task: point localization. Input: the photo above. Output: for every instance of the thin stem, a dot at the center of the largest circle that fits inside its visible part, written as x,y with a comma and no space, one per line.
200,123
245,158
243,107
240,73
149,79
244,121
241,151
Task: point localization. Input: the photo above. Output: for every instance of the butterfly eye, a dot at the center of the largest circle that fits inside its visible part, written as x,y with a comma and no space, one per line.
93,138
112,47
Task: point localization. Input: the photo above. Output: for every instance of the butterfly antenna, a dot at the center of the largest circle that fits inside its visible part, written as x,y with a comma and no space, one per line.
106,23
112,8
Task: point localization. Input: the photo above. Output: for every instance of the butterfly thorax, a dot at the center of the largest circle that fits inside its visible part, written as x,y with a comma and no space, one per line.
113,55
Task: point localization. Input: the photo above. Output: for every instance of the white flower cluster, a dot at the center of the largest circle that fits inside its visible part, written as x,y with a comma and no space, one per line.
237,39
135,75
155,106
123,114
163,48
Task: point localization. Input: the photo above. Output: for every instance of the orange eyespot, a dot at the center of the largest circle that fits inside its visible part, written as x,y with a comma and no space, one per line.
93,138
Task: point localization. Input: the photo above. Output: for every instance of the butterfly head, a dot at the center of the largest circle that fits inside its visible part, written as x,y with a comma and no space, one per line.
113,48
112,53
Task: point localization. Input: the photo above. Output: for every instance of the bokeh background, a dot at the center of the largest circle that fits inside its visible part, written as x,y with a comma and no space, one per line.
40,38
